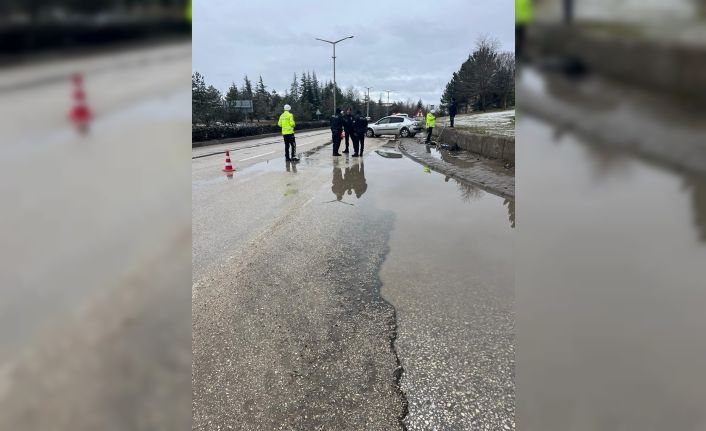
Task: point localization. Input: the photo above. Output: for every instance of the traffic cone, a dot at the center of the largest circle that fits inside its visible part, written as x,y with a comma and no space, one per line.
229,166
80,114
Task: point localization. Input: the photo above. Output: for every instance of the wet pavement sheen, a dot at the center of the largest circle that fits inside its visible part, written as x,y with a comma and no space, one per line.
445,265
449,275
610,289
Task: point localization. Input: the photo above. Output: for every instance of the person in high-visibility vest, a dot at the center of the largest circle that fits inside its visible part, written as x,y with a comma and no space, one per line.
286,122
431,123
523,16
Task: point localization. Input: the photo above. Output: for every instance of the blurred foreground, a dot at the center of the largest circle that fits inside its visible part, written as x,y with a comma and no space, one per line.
56,28
612,234
95,328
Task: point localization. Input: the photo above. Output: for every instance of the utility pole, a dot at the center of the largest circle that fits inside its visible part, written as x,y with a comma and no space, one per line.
367,107
568,11
388,100
334,65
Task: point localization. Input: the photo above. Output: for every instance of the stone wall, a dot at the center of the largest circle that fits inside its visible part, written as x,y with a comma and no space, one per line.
494,147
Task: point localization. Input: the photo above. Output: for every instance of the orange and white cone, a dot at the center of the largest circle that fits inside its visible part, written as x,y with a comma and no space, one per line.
229,166
80,114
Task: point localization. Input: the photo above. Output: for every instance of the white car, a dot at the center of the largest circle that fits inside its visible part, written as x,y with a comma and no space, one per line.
400,125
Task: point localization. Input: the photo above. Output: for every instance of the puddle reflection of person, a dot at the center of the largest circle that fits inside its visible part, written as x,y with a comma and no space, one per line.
352,181
355,179
291,167
338,187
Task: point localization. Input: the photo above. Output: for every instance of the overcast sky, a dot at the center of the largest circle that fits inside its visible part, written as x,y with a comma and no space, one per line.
411,47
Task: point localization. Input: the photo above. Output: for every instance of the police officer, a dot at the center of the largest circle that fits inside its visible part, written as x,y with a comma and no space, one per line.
360,127
431,123
347,127
336,129
453,108
286,122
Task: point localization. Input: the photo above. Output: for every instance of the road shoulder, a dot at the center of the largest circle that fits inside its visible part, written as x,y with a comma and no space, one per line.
487,174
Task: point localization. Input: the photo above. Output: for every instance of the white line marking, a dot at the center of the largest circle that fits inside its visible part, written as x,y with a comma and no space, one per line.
264,154
253,157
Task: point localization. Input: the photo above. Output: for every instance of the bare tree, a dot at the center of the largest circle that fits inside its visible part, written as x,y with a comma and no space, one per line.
486,62
504,82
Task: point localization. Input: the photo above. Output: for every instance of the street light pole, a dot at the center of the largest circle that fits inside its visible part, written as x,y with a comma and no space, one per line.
367,107
334,65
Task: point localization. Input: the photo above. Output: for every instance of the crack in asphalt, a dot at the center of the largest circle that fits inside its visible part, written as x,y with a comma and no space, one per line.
359,328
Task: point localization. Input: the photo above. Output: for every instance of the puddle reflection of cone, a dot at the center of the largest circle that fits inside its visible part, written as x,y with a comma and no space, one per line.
229,166
80,114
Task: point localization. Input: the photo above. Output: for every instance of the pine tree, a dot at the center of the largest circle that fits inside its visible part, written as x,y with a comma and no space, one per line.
261,101
232,115
198,97
294,89
246,93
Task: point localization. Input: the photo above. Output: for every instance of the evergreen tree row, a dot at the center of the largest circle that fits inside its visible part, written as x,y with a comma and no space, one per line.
306,95
485,80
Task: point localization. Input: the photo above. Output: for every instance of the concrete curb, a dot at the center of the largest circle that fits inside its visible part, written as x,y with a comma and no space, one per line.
663,145
491,146
667,66
448,170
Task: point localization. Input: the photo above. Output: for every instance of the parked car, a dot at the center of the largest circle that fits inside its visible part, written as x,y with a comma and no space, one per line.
400,125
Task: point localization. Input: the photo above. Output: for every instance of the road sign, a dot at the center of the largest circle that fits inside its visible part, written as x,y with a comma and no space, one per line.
241,105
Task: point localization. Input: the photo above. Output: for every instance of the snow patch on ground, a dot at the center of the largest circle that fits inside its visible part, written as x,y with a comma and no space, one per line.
492,123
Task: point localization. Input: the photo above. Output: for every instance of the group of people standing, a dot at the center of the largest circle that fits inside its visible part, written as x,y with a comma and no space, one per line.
354,127
348,126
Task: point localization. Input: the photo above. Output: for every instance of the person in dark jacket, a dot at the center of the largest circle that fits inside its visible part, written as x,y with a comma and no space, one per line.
336,129
359,128
347,126
453,108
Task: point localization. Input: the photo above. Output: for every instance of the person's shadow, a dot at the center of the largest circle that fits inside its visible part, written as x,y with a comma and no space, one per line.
352,181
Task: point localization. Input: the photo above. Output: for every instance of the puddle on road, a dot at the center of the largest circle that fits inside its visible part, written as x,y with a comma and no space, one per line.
610,291
449,275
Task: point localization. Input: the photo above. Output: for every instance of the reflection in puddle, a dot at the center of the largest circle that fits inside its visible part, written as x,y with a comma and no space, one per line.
448,273
510,211
389,154
350,180
610,270
291,166
697,187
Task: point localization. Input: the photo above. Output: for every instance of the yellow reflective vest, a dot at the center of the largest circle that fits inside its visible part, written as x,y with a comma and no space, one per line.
286,122
431,120
523,11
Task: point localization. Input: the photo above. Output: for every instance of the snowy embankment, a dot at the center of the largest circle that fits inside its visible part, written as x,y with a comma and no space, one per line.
491,123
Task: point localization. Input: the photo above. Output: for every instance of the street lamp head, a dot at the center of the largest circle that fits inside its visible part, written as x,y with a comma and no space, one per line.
340,40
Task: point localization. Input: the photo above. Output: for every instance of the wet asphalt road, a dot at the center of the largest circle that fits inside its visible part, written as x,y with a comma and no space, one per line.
314,282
